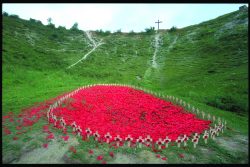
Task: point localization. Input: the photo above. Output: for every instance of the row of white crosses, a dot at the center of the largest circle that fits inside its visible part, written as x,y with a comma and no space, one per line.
148,139
77,129
209,117
63,123
195,139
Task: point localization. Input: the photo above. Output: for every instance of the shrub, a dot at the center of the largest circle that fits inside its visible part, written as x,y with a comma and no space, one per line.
101,32
74,27
173,29
119,31
131,32
107,32
227,103
62,28
35,21
150,30
50,24
5,14
14,16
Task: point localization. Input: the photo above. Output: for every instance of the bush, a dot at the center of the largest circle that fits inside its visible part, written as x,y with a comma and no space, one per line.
50,24
5,14
173,29
35,21
131,32
74,27
61,28
119,31
150,30
101,32
14,16
107,32
227,103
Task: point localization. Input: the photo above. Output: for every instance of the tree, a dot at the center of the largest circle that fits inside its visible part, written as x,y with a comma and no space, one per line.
119,31
150,30
75,26
49,20
131,32
5,14
50,24
35,21
14,16
62,28
173,29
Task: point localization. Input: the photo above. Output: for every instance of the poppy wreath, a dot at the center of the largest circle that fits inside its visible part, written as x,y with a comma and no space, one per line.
123,110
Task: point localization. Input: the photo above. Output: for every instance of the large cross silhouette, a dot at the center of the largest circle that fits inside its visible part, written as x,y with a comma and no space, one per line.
158,23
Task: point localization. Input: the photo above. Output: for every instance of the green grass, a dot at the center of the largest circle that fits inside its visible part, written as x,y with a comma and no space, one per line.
207,66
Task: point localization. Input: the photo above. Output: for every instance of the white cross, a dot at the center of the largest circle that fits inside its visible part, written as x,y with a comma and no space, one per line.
140,140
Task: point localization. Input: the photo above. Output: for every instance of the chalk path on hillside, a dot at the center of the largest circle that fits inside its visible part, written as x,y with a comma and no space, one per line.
172,44
96,45
157,42
156,45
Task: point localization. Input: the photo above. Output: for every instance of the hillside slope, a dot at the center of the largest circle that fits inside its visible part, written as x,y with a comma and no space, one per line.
206,63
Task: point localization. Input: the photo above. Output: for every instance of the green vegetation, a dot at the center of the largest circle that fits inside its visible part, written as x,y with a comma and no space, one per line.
173,29
150,30
205,65
74,27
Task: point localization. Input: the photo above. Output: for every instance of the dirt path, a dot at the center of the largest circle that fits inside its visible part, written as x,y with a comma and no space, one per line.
89,36
51,155
172,44
156,46
157,42
96,45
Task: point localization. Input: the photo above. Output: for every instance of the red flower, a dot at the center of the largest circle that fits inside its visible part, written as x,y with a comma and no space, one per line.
104,162
7,131
15,138
181,155
111,154
18,127
50,136
164,158
46,128
158,156
99,158
5,117
65,138
72,148
45,145
91,151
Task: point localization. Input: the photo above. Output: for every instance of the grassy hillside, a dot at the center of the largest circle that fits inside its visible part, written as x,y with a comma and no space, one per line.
207,63
204,64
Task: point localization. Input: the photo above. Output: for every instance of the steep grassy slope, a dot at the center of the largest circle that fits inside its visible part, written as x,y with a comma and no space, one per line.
205,65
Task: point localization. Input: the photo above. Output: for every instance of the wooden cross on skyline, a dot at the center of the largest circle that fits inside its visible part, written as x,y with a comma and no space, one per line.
158,23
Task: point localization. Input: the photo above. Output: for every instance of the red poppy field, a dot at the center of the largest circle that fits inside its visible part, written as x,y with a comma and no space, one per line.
123,111
123,116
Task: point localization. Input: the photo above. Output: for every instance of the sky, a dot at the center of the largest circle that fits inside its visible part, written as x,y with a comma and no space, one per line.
126,17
